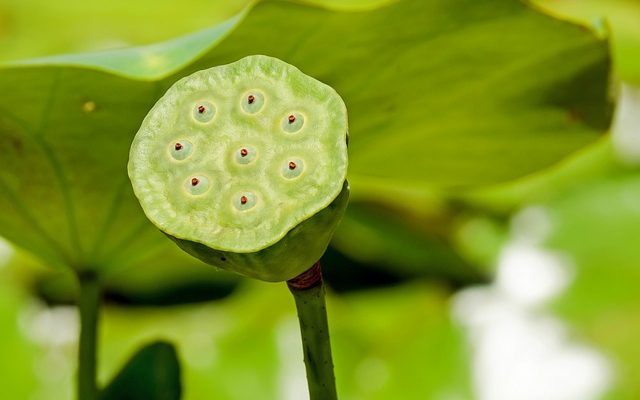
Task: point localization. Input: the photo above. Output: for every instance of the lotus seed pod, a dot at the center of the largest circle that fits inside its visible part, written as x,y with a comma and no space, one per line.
244,167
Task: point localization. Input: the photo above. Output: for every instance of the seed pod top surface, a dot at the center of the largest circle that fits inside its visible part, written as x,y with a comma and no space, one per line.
235,156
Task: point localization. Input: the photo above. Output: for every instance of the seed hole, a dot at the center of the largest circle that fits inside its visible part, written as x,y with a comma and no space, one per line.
181,149
292,168
197,185
204,111
244,201
252,102
293,122
223,258
245,155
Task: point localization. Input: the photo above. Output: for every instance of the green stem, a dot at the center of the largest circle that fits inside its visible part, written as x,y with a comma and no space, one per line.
89,305
308,292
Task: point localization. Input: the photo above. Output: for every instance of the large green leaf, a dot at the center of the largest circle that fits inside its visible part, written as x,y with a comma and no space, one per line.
439,97
617,18
592,163
36,28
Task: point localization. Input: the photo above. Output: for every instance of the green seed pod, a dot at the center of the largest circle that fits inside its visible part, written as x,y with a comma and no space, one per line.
244,167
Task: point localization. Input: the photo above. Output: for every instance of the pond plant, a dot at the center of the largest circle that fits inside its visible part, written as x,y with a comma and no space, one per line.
244,167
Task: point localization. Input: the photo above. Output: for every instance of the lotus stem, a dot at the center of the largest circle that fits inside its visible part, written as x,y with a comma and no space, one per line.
308,292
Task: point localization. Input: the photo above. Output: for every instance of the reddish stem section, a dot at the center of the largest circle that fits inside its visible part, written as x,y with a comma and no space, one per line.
308,279
308,291
292,119
194,181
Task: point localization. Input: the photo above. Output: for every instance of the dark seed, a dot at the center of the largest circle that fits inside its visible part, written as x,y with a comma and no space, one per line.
201,109
244,152
194,181
292,119
292,165
243,200
178,146
251,99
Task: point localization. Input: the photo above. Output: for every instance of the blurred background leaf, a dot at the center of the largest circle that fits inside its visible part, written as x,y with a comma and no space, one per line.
592,202
248,345
19,371
599,227
253,338
152,373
